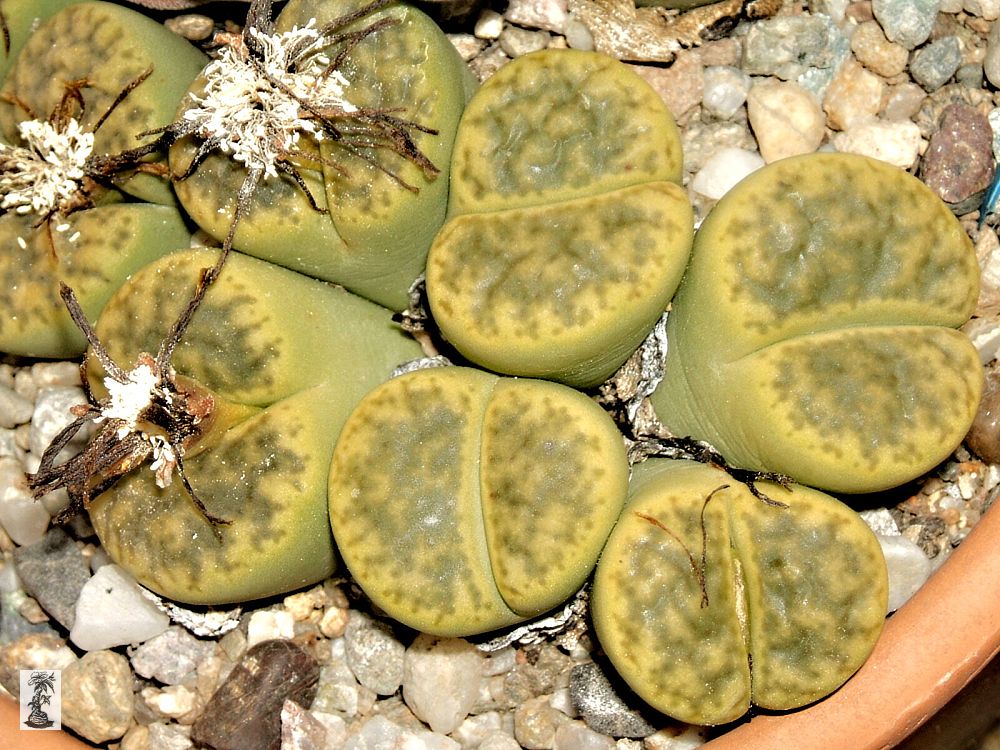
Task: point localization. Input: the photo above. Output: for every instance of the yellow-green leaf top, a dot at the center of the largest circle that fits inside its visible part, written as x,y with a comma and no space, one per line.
107,46
96,253
568,233
813,331
462,502
793,598
371,233
22,17
285,359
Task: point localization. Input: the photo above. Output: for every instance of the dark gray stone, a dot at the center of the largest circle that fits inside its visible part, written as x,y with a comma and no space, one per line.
54,572
604,708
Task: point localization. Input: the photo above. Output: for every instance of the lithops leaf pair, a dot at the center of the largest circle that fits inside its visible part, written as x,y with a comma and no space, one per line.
375,210
567,231
69,74
462,502
21,17
279,360
706,599
813,333
101,49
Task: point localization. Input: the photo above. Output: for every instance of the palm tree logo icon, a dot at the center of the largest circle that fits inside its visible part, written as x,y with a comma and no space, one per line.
43,686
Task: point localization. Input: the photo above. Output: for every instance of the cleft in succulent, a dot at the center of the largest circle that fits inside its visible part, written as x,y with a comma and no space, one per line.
147,415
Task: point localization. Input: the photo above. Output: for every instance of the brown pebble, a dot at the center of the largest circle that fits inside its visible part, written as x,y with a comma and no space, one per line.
958,162
245,712
984,436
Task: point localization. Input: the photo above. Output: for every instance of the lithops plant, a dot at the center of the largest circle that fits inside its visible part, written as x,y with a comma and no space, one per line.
87,82
103,50
462,502
348,183
567,231
707,599
813,333
269,368
20,18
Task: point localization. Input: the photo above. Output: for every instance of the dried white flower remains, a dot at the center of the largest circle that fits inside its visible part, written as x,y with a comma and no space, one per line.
255,107
44,176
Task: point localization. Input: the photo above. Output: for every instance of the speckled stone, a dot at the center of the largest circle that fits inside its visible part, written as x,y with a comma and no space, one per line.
874,51
536,723
54,572
932,66
170,656
908,22
681,86
958,163
789,46
538,14
32,651
853,97
603,707
373,653
897,142
97,696
245,712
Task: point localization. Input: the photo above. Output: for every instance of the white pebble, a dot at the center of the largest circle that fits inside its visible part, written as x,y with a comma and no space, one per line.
268,624
898,143
676,738
785,118
25,384
538,14
499,741
112,611
723,169
23,518
49,374
441,679
725,90
489,25
172,701
475,729
15,409
880,521
575,735
908,568
578,34
52,414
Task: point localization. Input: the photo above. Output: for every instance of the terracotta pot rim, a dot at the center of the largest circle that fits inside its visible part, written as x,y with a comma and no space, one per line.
929,650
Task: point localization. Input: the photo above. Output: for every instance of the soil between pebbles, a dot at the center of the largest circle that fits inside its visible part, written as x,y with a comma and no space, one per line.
910,81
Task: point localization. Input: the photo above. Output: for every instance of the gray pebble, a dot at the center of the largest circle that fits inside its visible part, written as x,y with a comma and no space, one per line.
373,653
15,409
789,46
517,42
170,656
54,572
337,690
907,22
602,707
932,66
536,723
498,741
169,737
991,63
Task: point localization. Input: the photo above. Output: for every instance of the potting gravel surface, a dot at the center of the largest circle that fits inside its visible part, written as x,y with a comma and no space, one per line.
912,82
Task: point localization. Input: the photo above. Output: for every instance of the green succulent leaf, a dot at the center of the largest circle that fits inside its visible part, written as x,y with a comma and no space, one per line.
373,233
95,254
812,334
106,47
283,359
21,18
568,233
707,599
462,502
